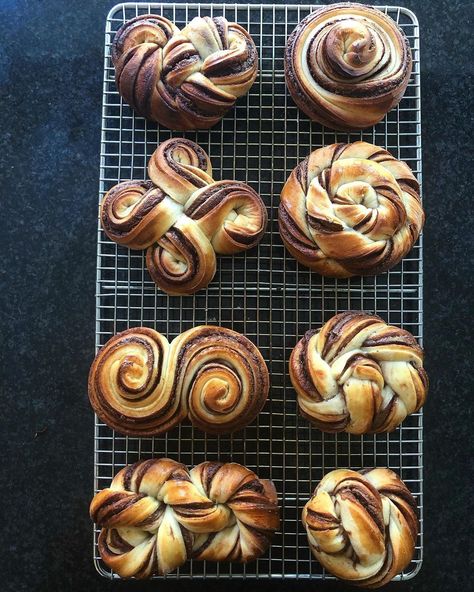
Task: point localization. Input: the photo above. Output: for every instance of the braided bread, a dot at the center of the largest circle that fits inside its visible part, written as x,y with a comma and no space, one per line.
183,79
357,374
350,209
141,385
157,514
362,526
347,65
183,217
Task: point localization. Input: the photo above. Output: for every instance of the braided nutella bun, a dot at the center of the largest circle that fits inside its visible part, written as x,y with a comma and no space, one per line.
362,526
183,217
350,209
347,65
358,375
185,79
141,385
157,514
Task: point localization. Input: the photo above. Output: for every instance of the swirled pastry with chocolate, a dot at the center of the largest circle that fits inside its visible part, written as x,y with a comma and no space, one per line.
142,385
357,374
184,79
157,514
362,526
347,65
350,209
183,217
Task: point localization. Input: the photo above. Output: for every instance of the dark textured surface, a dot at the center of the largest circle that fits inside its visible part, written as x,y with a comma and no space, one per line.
51,84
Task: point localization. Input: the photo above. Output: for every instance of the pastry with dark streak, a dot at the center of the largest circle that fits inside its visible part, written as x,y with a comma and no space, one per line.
347,65
142,385
358,375
350,209
362,526
157,514
183,217
184,79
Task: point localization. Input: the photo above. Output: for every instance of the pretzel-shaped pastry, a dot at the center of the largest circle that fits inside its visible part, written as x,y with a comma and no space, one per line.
350,209
157,514
347,65
183,79
362,526
183,217
142,385
357,374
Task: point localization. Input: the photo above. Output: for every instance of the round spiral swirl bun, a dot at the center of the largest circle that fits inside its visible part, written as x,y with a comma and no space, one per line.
357,374
362,526
183,217
185,79
347,65
350,209
157,514
141,385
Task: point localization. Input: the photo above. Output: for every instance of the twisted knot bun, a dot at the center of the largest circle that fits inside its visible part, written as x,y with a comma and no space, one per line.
350,209
185,79
183,217
141,385
362,526
357,374
347,65
157,514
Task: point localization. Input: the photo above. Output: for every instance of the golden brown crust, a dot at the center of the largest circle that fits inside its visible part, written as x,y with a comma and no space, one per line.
183,217
347,65
157,514
350,209
357,374
183,79
362,526
141,385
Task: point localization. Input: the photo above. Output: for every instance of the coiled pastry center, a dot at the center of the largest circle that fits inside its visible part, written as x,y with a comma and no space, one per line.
216,388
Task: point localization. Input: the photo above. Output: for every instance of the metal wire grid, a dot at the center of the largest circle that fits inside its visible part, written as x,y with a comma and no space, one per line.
263,294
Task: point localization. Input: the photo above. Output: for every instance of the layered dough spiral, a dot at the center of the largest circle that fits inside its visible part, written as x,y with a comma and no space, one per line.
347,65
183,79
357,374
350,209
362,526
142,385
157,514
183,217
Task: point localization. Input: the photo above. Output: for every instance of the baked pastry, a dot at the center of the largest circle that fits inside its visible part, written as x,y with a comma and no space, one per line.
157,514
142,385
358,375
183,217
362,526
185,79
347,65
350,209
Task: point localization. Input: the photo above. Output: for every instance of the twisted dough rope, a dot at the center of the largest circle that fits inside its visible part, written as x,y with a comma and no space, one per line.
157,514
362,526
183,79
183,217
141,385
350,209
347,65
357,374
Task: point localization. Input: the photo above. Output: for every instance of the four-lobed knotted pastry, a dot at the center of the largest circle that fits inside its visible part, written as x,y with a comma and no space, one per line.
347,65
362,526
183,79
142,385
350,209
157,514
357,374
183,217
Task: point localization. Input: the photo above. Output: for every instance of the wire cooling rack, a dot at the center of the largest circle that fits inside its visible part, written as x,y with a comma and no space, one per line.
264,293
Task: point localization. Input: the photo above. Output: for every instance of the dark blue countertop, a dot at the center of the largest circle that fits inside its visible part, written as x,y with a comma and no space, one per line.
51,85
